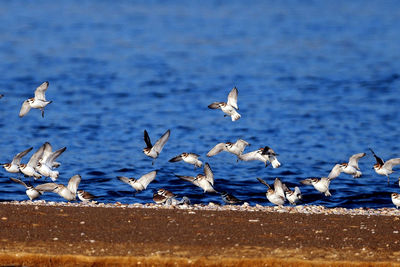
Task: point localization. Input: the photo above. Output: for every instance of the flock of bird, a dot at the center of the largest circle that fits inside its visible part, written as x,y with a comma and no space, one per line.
43,163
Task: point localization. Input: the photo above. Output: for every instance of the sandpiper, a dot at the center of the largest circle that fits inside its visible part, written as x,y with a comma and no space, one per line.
230,107
162,195
352,166
264,154
277,195
31,191
396,199
39,101
292,196
85,196
45,167
322,185
13,167
236,148
190,158
141,183
229,198
204,181
154,151
48,150
29,169
67,192
384,168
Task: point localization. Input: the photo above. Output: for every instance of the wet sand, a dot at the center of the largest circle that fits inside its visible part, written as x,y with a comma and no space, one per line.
36,235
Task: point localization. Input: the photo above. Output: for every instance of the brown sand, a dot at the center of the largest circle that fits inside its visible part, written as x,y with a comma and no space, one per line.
45,235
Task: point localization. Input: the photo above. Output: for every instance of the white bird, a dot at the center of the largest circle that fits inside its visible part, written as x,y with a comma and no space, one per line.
322,185
352,166
48,150
141,183
236,148
29,169
13,167
264,154
67,192
190,158
204,181
39,101
154,151
230,107
277,195
45,168
384,168
31,191
396,199
292,196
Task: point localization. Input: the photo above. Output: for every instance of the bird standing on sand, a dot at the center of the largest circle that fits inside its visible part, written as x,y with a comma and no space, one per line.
39,101
154,151
230,107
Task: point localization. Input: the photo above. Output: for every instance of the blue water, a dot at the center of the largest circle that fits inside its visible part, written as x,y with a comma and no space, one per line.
318,81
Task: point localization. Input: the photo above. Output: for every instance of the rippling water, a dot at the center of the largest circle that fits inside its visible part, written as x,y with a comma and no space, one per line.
318,81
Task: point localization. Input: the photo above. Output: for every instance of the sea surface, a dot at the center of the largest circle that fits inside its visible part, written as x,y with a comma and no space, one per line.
318,82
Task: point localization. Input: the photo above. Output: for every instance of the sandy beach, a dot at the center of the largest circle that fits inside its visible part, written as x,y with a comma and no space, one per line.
66,234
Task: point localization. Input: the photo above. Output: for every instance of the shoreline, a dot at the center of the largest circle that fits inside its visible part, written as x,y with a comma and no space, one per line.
41,233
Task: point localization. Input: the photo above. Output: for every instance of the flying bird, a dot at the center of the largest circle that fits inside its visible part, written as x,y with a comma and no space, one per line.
322,185
141,183
276,195
31,191
39,101
230,107
13,167
384,168
264,154
154,151
45,167
352,166
67,192
236,148
29,169
190,158
204,181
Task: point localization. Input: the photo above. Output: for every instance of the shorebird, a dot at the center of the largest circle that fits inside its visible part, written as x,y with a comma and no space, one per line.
292,196
85,196
67,192
141,183
396,199
48,150
39,101
29,169
229,198
31,191
352,166
322,185
154,151
264,154
45,167
190,158
162,195
384,168
275,196
13,167
236,148
204,181
230,107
